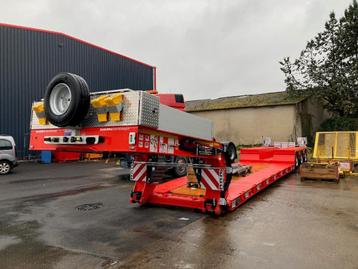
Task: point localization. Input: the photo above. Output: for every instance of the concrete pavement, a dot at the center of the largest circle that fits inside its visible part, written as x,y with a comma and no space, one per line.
77,215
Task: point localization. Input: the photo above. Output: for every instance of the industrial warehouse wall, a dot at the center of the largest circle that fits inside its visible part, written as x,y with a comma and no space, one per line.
247,126
30,58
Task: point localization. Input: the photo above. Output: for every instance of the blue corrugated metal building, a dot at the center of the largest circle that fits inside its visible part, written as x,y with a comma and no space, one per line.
30,57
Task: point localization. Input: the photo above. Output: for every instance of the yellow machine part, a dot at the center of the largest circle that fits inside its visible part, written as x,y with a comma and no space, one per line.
39,109
93,156
336,146
102,117
102,104
114,99
99,102
115,116
42,121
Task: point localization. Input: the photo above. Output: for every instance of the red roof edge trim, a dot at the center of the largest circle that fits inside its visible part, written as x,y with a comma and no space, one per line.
73,38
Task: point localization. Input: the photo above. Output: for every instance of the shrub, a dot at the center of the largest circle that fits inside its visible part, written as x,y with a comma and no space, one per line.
340,124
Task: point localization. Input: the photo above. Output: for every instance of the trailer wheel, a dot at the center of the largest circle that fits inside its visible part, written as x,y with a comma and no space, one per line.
230,152
180,170
67,100
297,161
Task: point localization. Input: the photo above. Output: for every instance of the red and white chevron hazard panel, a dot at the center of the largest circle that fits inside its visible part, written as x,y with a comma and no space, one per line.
214,178
139,172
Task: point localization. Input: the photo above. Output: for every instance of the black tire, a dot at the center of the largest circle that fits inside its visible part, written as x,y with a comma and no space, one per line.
79,100
297,161
302,159
180,171
304,156
230,152
5,167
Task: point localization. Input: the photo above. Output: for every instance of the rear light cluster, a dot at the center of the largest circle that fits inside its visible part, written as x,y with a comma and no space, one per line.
73,140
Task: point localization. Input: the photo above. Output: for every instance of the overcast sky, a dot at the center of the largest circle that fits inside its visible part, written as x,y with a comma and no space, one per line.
202,48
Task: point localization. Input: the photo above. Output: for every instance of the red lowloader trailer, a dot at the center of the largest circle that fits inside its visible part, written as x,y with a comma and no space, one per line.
69,118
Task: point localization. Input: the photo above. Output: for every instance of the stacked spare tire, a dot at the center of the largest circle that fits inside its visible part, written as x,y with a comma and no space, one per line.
67,100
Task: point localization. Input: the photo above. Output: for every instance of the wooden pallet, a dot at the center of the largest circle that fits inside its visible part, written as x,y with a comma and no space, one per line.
320,171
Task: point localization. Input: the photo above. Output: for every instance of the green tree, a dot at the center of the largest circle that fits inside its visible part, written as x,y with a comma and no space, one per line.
328,66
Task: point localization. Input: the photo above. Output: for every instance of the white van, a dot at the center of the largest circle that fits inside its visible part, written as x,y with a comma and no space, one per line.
7,154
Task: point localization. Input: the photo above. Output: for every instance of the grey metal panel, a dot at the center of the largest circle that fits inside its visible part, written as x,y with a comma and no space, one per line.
149,110
29,59
175,121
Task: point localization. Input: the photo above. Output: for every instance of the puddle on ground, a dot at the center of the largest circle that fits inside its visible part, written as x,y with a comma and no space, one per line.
6,241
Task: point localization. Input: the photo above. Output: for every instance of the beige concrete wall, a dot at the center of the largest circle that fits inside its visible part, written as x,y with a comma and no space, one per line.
248,125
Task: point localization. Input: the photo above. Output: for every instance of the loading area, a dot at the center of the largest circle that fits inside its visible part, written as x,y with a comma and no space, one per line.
215,190
77,215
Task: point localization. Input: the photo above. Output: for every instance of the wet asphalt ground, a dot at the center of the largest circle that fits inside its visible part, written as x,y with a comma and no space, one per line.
77,215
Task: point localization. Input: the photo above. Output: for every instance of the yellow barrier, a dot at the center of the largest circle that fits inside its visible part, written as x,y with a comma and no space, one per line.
336,146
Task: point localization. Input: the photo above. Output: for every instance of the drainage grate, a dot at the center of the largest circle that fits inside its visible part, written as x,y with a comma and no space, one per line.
88,207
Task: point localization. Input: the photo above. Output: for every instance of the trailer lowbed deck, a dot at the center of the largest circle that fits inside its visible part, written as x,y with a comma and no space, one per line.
268,165
244,188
